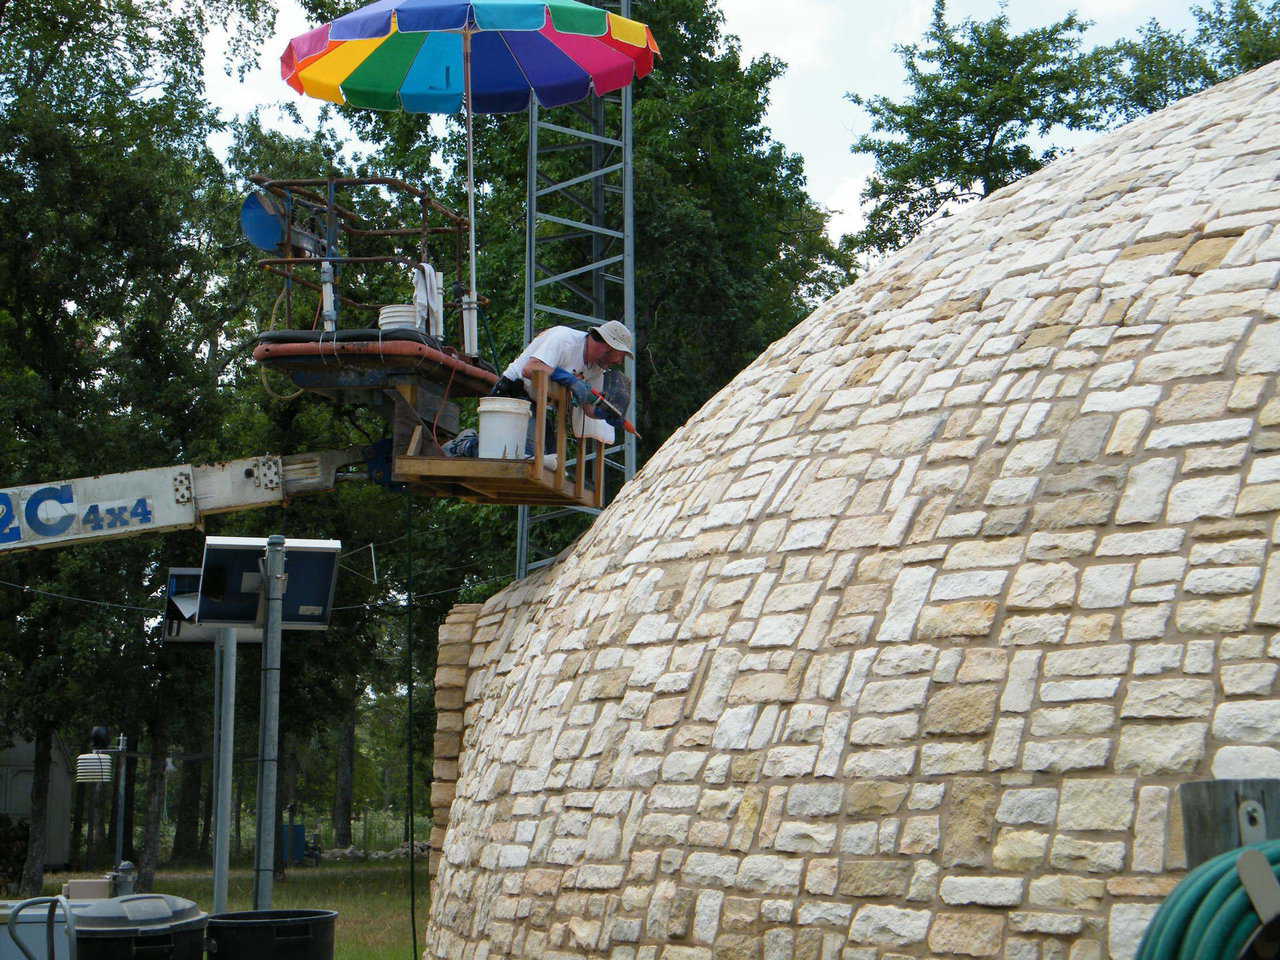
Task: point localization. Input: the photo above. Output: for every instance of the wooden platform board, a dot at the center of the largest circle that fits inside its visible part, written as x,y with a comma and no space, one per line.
500,481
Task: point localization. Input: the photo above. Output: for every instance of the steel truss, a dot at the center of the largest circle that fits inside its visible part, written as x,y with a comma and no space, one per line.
579,257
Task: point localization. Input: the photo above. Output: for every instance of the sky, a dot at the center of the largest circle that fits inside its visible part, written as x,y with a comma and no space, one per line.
831,47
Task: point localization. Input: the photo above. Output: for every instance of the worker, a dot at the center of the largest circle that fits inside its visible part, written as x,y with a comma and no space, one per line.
575,359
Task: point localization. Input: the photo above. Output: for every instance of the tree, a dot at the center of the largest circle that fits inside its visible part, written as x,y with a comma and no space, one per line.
979,94
1161,66
103,163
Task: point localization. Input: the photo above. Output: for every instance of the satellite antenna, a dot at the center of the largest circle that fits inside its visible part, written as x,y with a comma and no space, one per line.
265,221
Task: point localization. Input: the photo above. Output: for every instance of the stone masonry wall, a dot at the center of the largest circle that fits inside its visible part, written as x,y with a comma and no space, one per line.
902,646
452,653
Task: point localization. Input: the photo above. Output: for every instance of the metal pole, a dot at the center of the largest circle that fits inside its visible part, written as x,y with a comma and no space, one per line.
470,333
226,728
121,744
269,727
523,529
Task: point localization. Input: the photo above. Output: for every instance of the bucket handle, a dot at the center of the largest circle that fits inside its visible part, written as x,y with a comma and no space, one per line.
53,903
285,935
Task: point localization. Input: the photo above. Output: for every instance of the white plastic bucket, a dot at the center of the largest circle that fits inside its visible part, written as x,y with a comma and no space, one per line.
398,316
504,421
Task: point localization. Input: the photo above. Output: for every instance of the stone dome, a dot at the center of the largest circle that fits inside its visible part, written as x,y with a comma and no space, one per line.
902,645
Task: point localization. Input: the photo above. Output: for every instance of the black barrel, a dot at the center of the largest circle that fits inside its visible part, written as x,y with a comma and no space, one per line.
272,935
143,926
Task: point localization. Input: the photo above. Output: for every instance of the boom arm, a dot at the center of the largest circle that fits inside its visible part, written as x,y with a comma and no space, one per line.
166,498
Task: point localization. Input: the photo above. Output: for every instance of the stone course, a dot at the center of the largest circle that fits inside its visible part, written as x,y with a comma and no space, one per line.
901,647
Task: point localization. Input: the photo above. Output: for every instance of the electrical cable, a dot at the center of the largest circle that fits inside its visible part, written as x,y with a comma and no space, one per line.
408,732
422,596
63,596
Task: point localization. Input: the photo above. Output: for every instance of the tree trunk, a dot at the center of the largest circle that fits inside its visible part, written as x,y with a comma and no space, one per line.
150,853
130,792
77,827
37,837
345,779
206,821
186,844
235,812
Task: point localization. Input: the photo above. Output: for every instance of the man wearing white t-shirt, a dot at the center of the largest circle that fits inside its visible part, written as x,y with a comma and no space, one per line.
575,359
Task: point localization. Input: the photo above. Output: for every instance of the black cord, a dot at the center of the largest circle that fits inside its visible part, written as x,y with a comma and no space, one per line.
488,333
408,732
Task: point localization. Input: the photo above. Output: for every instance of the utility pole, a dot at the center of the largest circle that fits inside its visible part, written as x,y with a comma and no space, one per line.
269,726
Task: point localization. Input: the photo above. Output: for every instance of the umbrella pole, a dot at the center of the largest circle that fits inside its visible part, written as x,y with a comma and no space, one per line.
470,335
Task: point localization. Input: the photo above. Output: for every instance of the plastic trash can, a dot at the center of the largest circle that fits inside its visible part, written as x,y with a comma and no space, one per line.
272,935
146,926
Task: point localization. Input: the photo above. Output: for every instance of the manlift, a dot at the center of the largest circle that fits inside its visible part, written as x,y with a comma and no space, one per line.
412,377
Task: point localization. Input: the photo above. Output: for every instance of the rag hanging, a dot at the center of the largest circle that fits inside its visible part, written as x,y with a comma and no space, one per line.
428,298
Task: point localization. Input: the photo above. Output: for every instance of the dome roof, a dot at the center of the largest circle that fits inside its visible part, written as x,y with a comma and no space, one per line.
900,647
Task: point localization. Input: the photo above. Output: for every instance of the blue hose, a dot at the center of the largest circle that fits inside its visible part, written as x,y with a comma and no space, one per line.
1208,916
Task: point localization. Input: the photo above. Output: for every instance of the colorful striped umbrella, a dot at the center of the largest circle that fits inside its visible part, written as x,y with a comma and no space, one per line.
481,56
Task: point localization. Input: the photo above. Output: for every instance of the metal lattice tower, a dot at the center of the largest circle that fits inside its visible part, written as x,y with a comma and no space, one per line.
580,252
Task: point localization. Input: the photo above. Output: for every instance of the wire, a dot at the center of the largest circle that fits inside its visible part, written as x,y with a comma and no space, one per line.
408,732
423,596
62,596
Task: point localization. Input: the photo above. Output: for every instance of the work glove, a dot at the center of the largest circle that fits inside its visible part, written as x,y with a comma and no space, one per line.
581,390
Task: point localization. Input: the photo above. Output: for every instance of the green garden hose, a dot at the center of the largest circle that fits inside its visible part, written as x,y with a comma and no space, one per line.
1208,916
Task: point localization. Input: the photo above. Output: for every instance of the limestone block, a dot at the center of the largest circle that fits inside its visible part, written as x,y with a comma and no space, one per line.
803,837
967,709
1019,850
1126,925
889,926
1088,661
1066,892
1041,585
1096,804
1247,721
969,823
764,873
941,758
967,934
1244,763
1248,679
1161,748
1075,720
898,728
1230,615
1031,805
985,891
893,696
1150,828
1087,856
1061,756
1185,435
814,799
874,878
1105,586
1168,698
1144,494
874,798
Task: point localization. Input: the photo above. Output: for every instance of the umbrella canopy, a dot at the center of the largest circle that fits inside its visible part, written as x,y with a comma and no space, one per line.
482,56
409,55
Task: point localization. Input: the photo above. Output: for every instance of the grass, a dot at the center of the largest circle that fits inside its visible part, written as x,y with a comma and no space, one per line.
372,900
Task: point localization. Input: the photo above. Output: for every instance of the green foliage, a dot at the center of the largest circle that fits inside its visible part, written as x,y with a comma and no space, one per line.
986,104
979,94
13,850
1161,66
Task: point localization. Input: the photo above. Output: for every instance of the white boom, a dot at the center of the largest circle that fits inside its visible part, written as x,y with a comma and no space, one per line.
166,498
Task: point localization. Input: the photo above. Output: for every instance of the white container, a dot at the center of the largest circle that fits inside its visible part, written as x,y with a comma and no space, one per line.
504,422
398,316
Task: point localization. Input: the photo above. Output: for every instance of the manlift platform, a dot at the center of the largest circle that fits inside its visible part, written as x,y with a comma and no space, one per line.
412,377
531,481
